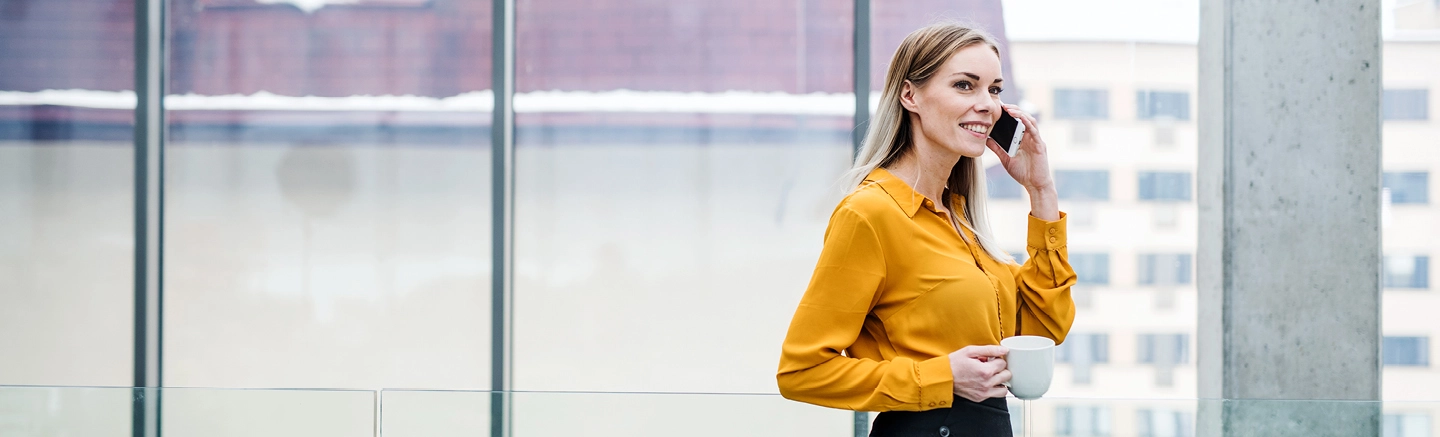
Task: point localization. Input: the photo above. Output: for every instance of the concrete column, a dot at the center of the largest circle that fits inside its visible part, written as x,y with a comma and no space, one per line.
1289,197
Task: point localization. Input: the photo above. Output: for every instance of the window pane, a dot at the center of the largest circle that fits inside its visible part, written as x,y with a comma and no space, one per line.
1163,349
1171,105
1091,268
1407,351
1408,187
1082,104
1164,186
1407,271
67,208
1164,269
1083,184
328,214
1401,104
1000,185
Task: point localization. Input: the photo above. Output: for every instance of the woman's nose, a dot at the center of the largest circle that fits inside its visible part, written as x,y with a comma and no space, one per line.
987,105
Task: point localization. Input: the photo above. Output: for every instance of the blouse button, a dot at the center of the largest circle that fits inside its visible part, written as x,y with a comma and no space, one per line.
1053,240
932,404
1053,231
944,431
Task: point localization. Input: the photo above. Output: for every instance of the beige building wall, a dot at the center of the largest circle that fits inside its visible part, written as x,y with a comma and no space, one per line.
1125,226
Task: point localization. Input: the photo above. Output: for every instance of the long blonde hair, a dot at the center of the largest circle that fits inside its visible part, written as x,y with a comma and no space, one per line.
889,137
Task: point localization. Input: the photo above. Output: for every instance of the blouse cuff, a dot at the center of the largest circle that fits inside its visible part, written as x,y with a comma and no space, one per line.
937,383
1047,235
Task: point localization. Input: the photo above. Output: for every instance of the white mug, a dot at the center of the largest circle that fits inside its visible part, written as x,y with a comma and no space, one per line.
1031,362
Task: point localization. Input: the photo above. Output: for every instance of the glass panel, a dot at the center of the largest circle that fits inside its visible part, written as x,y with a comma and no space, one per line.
435,413
538,414
465,413
270,413
328,213
675,175
67,217
65,411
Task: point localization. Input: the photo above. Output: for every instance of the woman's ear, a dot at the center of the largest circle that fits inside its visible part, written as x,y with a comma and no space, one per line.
907,97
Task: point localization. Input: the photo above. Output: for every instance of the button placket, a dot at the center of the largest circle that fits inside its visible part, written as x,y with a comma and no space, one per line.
994,283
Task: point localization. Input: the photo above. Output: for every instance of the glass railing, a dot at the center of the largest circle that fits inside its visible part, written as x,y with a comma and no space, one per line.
28,411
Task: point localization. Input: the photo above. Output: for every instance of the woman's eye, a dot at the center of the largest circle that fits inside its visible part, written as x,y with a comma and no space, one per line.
964,85
996,90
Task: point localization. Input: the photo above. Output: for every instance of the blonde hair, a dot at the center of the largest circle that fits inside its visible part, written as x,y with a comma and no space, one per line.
889,137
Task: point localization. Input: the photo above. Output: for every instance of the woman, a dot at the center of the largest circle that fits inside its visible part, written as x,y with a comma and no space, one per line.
911,295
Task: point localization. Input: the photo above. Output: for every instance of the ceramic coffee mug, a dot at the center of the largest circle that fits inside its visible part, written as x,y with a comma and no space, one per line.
1031,362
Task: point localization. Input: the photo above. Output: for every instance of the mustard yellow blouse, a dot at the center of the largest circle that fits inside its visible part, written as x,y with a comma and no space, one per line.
897,290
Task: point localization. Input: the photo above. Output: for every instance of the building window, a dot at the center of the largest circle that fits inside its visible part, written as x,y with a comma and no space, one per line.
1407,271
1082,421
999,184
1407,351
1082,184
1020,256
1406,425
1091,268
1164,269
1151,105
1406,104
1165,186
1082,104
1164,349
1082,352
1164,423
1408,187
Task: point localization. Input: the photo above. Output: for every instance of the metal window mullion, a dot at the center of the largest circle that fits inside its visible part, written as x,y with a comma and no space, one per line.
862,73
502,146
861,56
149,229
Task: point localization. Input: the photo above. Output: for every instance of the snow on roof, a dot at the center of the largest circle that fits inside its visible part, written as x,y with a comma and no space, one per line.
727,102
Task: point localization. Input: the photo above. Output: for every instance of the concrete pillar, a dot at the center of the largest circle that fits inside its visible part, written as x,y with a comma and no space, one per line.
1289,197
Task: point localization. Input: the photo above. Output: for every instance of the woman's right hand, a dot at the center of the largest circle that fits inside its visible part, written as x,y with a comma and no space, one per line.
980,372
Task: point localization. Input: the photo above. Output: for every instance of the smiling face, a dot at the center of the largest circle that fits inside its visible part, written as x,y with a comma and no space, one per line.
955,108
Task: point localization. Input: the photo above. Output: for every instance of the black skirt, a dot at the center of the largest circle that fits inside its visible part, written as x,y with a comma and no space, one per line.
990,418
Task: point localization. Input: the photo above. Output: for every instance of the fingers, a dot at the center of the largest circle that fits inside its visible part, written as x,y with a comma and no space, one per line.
1024,117
995,147
999,379
998,365
985,351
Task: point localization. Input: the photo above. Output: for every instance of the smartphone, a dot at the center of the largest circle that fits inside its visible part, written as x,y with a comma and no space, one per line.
1007,132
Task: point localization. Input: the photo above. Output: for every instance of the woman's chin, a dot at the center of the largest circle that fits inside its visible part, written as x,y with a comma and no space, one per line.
972,149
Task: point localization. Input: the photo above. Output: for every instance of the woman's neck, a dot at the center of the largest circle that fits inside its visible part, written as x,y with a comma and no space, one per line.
925,170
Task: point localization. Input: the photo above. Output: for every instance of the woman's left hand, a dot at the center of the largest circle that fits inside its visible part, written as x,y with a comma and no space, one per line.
1031,165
